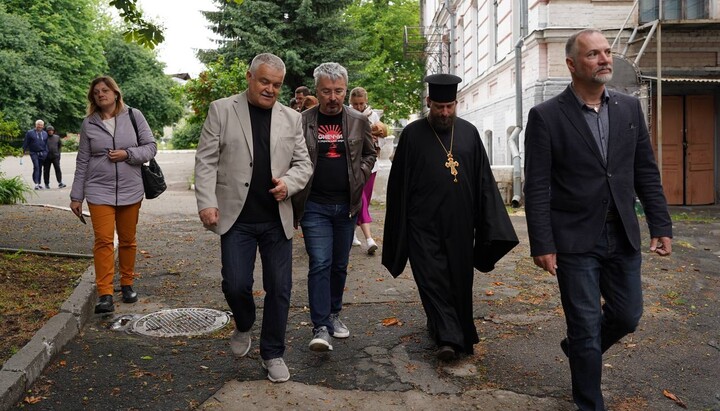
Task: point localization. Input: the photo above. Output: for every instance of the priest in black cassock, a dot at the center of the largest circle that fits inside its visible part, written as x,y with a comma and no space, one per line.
444,213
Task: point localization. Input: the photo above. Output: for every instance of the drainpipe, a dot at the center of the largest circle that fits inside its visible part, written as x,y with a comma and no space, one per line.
514,137
514,144
452,48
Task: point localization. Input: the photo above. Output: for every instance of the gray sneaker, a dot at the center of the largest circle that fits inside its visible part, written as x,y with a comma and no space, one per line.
340,330
240,343
321,340
277,370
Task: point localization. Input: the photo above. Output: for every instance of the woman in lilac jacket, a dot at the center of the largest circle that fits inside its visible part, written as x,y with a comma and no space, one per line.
107,176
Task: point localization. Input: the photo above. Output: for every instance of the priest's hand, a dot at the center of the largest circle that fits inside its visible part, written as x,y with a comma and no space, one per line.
547,262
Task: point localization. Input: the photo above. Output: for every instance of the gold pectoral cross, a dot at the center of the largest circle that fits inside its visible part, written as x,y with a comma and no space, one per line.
451,164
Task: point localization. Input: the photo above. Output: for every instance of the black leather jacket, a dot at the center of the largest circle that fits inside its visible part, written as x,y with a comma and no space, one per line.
358,145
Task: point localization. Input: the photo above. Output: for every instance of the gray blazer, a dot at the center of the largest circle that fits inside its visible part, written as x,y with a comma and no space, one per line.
223,161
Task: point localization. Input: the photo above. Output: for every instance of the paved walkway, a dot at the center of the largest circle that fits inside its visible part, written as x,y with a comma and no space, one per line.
517,365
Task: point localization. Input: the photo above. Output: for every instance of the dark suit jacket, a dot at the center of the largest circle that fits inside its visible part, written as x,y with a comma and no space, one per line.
568,186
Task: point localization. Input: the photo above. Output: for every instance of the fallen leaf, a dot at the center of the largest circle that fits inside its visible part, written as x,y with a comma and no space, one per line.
44,247
146,357
32,400
387,322
498,283
63,363
115,392
673,397
258,293
489,293
144,252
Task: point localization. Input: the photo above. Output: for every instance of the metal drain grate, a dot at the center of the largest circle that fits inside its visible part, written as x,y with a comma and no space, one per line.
179,322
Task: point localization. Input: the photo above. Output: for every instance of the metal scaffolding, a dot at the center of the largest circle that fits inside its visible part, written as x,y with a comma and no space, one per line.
431,43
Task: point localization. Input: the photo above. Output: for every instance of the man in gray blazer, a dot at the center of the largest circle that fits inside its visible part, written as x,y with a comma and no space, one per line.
587,154
250,160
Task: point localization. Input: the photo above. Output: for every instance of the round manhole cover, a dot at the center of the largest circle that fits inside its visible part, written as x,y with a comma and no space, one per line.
180,322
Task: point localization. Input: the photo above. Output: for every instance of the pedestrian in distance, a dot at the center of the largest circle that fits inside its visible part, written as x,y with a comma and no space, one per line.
587,155
36,143
340,146
54,145
300,94
107,176
250,160
359,101
309,102
445,214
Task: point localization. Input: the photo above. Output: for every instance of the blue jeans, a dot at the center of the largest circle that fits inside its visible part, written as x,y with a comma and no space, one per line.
328,232
611,270
239,247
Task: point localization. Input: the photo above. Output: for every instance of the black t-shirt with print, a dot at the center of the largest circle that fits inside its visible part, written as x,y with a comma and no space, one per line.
330,182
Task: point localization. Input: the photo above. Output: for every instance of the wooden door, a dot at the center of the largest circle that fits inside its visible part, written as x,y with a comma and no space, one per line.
672,147
700,151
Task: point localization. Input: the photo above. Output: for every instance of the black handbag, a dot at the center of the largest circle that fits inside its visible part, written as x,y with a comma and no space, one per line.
152,175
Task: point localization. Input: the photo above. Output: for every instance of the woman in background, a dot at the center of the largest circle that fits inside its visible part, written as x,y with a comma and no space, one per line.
107,175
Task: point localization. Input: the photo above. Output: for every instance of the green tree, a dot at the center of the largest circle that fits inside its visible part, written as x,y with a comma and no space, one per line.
304,33
144,86
30,89
70,55
218,81
393,80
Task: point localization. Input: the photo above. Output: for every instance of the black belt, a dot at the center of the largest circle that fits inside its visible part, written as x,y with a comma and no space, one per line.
612,215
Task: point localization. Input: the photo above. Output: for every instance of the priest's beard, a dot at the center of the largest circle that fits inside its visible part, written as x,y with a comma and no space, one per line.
441,124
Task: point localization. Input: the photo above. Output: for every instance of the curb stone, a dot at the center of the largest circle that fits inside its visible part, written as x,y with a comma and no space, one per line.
20,371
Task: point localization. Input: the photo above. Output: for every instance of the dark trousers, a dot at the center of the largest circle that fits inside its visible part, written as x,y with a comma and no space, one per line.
37,159
328,231
611,270
55,162
239,247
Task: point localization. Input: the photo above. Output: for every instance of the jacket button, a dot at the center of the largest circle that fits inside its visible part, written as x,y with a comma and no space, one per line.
250,164
609,175
247,184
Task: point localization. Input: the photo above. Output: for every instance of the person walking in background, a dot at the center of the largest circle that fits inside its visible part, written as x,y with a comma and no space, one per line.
36,143
359,101
300,94
54,145
107,175
309,102
587,153
444,214
250,160
342,153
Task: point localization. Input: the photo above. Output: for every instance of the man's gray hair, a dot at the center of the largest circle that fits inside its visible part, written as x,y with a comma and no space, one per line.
269,59
39,122
333,71
571,45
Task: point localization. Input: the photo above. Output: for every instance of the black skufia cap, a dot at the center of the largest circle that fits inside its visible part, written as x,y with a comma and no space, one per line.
442,88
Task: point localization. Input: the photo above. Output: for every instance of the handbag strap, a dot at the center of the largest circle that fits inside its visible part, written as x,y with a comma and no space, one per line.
134,123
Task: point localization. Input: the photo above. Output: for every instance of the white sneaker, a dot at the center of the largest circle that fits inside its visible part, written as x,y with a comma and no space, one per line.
240,343
372,247
356,241
277,370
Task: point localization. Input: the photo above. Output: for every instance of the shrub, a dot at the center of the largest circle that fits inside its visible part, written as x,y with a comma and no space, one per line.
6,150
187,136
13,190
70,143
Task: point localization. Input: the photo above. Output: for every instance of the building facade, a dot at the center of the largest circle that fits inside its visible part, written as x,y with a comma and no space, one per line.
511,56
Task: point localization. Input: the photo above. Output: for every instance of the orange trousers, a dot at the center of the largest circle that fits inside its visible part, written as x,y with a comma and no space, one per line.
105,220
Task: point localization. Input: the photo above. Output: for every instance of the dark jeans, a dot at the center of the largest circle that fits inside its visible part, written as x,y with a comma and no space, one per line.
55,161
612,271
328,232
37,159
239,247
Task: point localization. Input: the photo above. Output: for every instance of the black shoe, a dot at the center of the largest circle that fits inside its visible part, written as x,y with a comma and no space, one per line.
129,296
565,346
445,353
61,185
105,304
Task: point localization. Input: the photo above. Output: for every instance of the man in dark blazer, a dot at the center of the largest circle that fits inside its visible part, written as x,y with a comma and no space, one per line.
587,154
250,160
36,143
